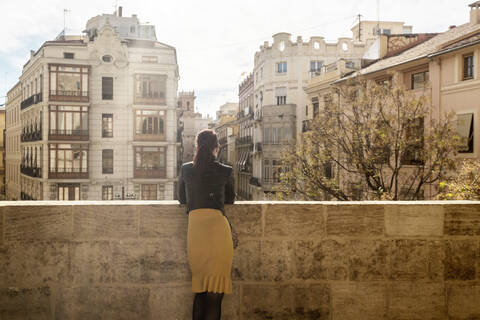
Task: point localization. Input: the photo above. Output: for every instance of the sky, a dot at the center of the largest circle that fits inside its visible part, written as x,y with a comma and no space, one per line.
215,39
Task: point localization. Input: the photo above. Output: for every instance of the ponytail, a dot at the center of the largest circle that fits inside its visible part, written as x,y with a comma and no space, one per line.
206,142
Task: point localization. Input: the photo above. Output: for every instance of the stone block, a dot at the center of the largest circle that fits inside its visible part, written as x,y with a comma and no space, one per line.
414,220
37,223
463,301
368,260
295,221
358,300
171,302
34,264
90,262
1,226
460,259
355,220
321,260
285,302
245,219
115,303
416,260
25,304
247,261
278,259
162,221
96,221
420,300
160,261
231,304
462,220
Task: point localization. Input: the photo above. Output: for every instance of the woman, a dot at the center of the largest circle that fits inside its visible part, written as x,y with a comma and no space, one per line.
205,185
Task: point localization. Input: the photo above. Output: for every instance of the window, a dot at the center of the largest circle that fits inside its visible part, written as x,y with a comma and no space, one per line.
281,67
107,58
107,161
149,59
281,95
68,55
414,135
107,125
272,170
150,124
107,88
132,29
465,131
149,192
420,79
69,192
68,81
149,162
386,31
306,110
315,105
68,120
68,158
468,66
107,192
316,65
150,89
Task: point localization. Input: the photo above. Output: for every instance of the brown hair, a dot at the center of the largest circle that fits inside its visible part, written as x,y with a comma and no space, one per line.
207,141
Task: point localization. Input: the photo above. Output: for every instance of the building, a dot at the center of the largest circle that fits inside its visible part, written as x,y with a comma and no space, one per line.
13,130
98,115
2,150
367,31
226,112
244,143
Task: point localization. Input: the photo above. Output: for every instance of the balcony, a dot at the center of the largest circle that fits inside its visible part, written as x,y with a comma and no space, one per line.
72,96
244,141
149,173
32,136
150,98
68,173
258,147
26,196
77,135
34,99
255,182
31,172
284,112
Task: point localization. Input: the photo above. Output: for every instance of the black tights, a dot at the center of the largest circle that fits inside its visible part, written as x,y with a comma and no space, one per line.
207,306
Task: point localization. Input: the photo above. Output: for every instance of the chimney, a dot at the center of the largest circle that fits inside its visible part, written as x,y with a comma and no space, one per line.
120,11
475,12
452,27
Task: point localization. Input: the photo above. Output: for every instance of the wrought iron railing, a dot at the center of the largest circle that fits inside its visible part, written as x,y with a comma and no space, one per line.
32,172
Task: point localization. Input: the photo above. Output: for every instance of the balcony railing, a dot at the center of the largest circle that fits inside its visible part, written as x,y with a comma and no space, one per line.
31,136
68,173
149,173
32,172
66,95
255,182
150,98
26,196
34,99
68,134
244,140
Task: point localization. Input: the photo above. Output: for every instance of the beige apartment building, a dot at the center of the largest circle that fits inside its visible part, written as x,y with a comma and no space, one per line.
227,131
98,115
13,130
443,67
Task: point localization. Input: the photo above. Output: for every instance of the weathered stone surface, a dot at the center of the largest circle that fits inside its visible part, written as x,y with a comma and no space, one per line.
286,302
412,220
462,220
415,260
171,302
302,221
231,304
410,301
460,259
115,303
162,221
247,261
33,264
350,220
91,262
245,219
368,260
321,260
358,300
463,301
37,223
1,226
277,260
91,222
159,261
25,304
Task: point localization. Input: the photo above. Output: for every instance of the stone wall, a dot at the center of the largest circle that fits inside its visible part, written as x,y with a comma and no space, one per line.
296,260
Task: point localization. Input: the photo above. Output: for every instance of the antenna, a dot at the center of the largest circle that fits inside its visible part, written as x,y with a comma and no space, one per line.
65,11
359,27
378,17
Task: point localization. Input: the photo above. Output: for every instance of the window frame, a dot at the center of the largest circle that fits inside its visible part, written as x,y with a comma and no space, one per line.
107,161
107,119
144,115
423,84
107,95
142,171
108,195
471,134
466,68
281,67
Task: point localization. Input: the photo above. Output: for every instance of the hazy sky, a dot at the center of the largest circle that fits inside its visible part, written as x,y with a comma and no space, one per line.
215,40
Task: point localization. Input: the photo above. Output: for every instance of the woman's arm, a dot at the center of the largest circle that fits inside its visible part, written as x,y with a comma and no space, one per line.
182,198
230,189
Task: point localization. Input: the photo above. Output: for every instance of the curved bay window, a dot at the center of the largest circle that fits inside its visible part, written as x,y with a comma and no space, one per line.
150,89
68,82
68,123
149,162
68,161
149,125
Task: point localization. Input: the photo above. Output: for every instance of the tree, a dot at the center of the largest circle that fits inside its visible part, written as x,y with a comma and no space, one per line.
463,186
379,139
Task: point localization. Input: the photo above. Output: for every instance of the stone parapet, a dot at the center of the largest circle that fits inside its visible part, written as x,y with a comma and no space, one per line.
295,260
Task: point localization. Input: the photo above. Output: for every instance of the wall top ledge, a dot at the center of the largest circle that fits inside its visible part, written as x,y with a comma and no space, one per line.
175,203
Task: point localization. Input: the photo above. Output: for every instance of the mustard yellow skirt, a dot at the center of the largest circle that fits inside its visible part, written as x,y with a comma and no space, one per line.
210,251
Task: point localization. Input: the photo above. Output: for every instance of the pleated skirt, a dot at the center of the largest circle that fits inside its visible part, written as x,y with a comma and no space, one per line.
210,251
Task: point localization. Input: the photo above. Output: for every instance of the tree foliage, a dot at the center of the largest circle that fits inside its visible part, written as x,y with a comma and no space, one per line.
463,186
379,140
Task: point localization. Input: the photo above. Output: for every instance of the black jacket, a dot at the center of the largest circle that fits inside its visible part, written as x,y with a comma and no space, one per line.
210,189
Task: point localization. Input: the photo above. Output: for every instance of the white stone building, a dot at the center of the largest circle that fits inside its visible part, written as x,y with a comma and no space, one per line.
98,115
13,131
